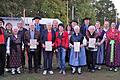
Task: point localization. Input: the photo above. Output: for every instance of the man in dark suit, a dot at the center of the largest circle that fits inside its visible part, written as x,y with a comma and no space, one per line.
85,25
33,34
21,32
49,35
39,27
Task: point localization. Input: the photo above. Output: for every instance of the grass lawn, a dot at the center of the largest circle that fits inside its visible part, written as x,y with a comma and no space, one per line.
103,74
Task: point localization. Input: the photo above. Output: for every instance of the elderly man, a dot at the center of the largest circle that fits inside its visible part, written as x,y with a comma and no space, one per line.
32,41
21,32
55,25
39,27
49,36
85,25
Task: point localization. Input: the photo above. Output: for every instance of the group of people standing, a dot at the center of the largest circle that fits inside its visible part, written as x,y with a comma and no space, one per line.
91,45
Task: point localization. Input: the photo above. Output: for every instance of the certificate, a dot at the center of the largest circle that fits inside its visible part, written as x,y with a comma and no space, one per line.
33,44
92,42
76,46
48,45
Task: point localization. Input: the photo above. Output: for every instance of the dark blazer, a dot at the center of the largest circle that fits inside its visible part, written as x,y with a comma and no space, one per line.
21,33
27,38
83,30
41,28
44,36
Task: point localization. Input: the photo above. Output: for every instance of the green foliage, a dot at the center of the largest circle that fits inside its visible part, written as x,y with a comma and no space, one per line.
58,9
105,9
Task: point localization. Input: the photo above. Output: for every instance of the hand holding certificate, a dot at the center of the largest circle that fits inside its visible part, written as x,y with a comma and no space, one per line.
77,46
48,45
92,42
33,43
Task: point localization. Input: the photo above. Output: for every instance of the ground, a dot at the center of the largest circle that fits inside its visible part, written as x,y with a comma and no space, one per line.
103,74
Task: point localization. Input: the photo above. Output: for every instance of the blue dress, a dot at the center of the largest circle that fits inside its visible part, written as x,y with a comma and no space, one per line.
77,58
101,50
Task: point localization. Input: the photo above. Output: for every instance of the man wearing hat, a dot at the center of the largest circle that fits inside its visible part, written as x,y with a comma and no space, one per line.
39,27
3,36
85,25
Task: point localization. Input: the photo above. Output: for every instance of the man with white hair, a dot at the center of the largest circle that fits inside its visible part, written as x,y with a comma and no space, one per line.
48,36
21,32
32,38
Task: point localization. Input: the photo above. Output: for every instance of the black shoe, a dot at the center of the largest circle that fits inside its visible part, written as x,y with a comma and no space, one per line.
36,71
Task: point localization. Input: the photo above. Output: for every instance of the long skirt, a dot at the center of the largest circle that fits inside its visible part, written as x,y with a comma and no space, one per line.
116,58
15,58
77,58
100,54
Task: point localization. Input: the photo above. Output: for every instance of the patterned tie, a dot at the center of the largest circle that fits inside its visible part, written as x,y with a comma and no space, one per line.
37,27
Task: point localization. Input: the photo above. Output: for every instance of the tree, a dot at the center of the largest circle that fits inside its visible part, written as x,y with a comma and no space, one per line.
54,9
105,9
83,8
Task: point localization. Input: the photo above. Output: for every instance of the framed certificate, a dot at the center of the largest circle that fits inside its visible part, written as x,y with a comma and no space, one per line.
48,45
33,43
76,46
92,42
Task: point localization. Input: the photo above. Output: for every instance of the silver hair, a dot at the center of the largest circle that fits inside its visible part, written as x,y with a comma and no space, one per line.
91,27
76,27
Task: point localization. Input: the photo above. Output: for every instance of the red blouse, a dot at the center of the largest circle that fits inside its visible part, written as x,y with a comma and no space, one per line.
49,36
2,38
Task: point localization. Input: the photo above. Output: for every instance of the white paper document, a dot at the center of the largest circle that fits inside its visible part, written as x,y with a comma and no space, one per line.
48,45
92,42
76,46
33,43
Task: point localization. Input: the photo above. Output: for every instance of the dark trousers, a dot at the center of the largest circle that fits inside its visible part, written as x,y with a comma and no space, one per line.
32,55
23,58
39,56
2,58
91,59
67,55
47,57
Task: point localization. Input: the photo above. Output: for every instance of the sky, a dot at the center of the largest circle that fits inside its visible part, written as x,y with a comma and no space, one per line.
117,6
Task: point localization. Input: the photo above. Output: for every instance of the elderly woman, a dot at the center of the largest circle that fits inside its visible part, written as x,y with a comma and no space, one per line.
48,36
77,58
15,51
61,44
92,38
113,48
